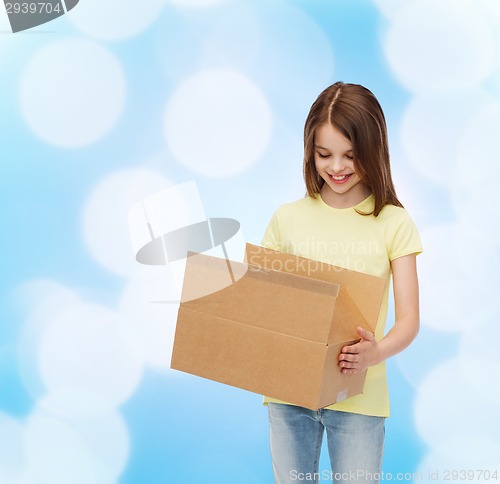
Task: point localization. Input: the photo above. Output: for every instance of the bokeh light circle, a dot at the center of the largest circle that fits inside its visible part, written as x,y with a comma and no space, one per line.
218,123
12,448
443,404
88,450
474,210
477,146
105,216
44,300
115,19
431,130
468,459
56,452
478,354
440,46
448,300
295,61
390,8
88,347
72,92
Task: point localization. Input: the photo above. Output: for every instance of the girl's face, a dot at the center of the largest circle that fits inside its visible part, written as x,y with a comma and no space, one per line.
333,156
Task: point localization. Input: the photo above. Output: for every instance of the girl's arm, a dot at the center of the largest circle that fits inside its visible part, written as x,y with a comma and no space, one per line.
368,352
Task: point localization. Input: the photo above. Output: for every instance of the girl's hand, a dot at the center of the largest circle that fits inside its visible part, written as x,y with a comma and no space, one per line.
368,352
358,357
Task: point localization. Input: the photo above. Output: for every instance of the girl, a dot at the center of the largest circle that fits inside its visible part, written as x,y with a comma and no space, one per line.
350,217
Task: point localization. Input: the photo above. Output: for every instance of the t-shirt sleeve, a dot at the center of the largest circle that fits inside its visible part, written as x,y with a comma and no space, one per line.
406,238
272,236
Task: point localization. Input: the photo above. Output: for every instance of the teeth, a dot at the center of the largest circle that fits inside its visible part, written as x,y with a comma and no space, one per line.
339,178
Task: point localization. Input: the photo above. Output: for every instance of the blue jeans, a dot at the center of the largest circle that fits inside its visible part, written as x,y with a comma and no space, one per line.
355,445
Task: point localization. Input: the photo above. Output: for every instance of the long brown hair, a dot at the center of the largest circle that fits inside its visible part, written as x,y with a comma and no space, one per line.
356,113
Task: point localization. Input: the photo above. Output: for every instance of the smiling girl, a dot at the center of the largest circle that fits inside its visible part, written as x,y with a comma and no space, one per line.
351,217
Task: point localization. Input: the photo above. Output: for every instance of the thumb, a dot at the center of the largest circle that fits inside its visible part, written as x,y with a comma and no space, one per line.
366,334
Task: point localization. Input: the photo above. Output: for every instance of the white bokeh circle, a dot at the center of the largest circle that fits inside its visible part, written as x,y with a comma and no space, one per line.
88,347
479,147
56,453
431,130
73,402
295,61
479,356
448,299
444,403
177,63
88,450
233,38
12,448
115,19
105,216
410,361
72,92
218,123
4,20
410,193
390,8
464,459
440,46
490,9
45,299
476,212
477,254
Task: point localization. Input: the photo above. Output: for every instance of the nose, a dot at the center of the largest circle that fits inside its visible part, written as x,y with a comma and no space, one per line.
337,164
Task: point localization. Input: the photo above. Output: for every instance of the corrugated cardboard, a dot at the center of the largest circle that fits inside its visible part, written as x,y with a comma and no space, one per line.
274,325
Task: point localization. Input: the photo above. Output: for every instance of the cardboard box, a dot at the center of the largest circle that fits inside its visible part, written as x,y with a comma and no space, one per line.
274,325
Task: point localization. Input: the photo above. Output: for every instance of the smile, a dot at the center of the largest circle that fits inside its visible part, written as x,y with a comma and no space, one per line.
339,178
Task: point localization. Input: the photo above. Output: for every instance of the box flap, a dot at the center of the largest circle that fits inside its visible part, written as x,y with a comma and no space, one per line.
287,303
346,318
205,274
363,289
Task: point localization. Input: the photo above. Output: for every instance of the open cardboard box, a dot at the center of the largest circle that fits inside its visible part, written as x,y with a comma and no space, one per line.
274,325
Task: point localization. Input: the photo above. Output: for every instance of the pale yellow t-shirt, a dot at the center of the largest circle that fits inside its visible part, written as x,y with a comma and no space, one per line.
310,228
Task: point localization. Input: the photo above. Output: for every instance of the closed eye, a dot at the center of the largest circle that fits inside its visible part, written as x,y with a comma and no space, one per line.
321,155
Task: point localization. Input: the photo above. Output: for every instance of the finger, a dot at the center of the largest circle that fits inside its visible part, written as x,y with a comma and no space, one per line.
348,364
349,371
348,357
353,349
366,334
